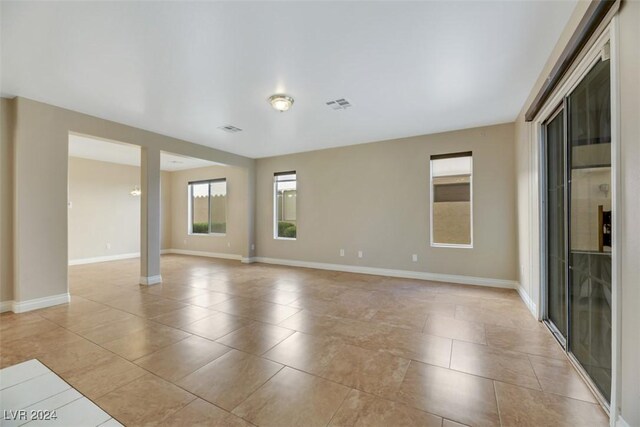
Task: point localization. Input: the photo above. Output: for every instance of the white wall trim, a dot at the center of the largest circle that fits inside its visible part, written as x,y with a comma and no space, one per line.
205,254
249,260
105,258
150,280
405,274
528,301
35,304
620,422
6,306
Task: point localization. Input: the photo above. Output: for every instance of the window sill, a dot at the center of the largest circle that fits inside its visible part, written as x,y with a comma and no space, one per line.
448,245
285,238
207,234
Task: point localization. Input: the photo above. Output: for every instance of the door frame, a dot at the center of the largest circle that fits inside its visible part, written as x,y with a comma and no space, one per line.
609,34
561,108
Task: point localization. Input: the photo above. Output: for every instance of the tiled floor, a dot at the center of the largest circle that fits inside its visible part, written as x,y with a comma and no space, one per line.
32,395
221,343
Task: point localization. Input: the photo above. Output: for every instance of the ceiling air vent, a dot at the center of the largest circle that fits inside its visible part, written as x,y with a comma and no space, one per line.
339,104
230,129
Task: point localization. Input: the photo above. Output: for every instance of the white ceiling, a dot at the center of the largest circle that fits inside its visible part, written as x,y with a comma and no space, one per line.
186,68
127,154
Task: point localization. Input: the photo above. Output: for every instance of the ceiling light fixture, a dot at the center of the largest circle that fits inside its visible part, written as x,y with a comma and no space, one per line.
281,102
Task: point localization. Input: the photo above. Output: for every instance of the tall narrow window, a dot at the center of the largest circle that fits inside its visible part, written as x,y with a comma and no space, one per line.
208,207
451,200
284,202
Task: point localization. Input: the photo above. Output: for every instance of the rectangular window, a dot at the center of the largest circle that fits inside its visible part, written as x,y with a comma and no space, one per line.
284,202
208,207
452,200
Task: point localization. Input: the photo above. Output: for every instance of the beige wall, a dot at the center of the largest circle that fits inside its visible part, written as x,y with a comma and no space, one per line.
237,211
40,185
344,195
6,200
104,212
526,163
629,53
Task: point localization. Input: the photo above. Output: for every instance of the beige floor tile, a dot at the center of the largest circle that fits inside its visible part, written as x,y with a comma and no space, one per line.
217,325
13,330
353,331
230,379
501,317
539,342
202,413
147,400
525,407
73,355
279,296
256,309
176,292
365,410
450,394
408,319
208,299
102,376
84,321
293,398
409,345
146,341
559,377
305,352
493,363
19,350
454,328
112,331
155,308
255,338
376,372
183,316
182,358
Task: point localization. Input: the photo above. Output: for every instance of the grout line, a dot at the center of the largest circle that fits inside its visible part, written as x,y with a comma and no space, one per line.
495,393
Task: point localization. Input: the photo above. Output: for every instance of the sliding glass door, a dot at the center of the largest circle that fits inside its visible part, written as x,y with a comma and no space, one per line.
577,189
556,247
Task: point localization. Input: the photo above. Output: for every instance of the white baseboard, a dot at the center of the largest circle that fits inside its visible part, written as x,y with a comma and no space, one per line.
249,260
205,254
405,274
528,301
150,280
6,306
35,304
106,258
620,422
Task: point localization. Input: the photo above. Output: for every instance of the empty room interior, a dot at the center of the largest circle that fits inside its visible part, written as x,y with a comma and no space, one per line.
311,213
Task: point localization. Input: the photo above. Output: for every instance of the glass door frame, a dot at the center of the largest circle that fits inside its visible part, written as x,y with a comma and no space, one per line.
538,228
544,216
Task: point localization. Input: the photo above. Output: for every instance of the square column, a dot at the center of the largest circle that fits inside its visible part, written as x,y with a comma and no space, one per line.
150,217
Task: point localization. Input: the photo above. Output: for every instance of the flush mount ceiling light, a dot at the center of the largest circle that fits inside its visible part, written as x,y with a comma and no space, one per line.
281,102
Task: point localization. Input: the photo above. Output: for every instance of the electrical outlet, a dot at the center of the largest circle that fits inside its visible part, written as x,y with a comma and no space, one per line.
69,205
414,257
253,247
359,254
108,245
229,245
341,252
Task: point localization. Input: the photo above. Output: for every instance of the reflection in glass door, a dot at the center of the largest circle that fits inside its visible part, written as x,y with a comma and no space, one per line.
577,189
589,139
556,260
